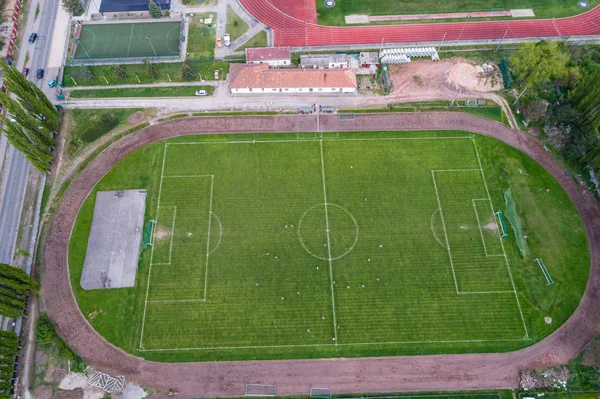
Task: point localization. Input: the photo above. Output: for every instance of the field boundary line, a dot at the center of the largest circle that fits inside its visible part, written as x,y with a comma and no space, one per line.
185,176
483,292
437,195
328,243
334,345
212,182
318,139
456,170
501,242
162,171
176,300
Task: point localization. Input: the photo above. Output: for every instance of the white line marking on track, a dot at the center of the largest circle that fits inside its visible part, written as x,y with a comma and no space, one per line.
316,140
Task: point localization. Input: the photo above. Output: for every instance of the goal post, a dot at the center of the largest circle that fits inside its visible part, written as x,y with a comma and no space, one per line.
502,224
322,393
260,390
540,262
148,234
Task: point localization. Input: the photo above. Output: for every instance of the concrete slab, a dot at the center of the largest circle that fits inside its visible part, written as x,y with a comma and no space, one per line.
115,240
522,13
357,19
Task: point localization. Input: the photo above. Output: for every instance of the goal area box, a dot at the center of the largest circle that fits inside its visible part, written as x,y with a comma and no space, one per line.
115,240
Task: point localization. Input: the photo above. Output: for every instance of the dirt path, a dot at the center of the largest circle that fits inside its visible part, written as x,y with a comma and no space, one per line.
295,377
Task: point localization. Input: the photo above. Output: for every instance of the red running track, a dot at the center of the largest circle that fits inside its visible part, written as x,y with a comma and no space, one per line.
290,31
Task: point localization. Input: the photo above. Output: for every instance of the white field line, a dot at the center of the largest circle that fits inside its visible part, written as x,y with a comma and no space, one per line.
484,292
184,176
212,181
178,300
456,170
172,233
162,171
328,244
317,139
480,230
479,225
437,195
433,231
333,345
501,242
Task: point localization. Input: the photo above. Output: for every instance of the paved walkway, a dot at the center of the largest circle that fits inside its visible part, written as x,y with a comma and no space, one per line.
295,377
144,85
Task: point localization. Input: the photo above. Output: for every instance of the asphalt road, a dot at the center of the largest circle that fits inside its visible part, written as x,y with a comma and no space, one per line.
11,202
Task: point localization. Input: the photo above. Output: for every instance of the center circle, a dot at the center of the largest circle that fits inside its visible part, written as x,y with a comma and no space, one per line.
328,231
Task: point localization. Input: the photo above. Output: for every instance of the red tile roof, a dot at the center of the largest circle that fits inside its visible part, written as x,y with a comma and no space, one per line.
267,54
257,76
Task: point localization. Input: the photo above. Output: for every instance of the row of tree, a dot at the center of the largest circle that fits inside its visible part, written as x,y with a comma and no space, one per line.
15,286
9,348
564,95
31,118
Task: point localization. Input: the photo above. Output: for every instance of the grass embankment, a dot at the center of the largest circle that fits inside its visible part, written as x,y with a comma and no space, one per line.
410,276
236,26
168,72
169,91
258,40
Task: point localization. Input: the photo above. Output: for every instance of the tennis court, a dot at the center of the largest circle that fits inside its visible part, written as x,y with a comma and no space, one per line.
148,39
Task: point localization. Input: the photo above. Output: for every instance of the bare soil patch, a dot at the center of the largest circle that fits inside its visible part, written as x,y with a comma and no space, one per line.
135,118
444,77
492,226
161,233
591,354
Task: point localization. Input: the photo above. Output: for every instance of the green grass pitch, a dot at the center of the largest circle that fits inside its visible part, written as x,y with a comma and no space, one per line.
541,8
347,245
129,40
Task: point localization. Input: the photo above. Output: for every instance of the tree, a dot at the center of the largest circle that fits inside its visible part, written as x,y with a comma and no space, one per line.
567,130
586,96
536,110
187,72
31,118
120,72
155,11
44,332
537,64
73,6
152,69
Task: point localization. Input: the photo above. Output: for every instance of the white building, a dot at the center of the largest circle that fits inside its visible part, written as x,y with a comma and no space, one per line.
259,79
272,56
324,61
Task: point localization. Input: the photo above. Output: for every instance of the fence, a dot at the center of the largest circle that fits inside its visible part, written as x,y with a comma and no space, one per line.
123,60
505,71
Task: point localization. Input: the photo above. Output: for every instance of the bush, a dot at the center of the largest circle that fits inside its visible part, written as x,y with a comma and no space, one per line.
44,332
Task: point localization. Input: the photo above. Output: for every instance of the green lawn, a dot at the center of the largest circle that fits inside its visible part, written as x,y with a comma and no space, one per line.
88,125
542,9
258,40
173,91
166,70
230,281
201,37
236,26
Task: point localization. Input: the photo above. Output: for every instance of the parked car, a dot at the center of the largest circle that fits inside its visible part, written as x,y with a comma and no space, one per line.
25,72
32,37
40,73
227,39
53,83
219,42
216,74
201,93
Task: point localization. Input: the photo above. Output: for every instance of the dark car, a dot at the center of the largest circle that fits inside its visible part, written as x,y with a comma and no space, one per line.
32,37
25,72
39,73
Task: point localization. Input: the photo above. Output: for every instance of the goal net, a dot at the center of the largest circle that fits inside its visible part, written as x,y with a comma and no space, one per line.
260,390
324,393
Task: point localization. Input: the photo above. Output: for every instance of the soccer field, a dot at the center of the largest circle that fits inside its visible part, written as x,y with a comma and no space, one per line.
302,246
148,39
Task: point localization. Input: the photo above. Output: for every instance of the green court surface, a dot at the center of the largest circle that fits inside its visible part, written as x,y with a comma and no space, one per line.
148,39
357,244
541,8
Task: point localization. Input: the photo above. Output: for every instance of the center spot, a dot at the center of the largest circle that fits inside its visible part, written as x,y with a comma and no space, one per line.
328,231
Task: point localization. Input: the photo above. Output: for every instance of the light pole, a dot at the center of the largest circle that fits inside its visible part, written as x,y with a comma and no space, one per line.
463,28
151,45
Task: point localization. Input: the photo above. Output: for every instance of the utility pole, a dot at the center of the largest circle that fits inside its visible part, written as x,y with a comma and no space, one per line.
442,42
463,28
498,46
